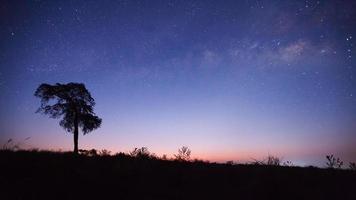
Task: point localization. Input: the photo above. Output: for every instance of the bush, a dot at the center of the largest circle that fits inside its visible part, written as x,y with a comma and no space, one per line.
104,152
333,162
273,160
11,145
140,153
183,154
288,163
164,157
270,160
91,152
230,162
352,165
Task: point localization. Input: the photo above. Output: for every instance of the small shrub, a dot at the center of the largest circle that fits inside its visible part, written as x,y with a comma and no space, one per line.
230,162
104,152
140,153
7,145
164,157
12,146
288,163
257,162
153,156
120,154
183,154
273,160
352,165
270,160
91,152
199,161
333,162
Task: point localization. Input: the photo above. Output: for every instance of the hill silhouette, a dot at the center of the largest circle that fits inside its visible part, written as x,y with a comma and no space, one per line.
56,175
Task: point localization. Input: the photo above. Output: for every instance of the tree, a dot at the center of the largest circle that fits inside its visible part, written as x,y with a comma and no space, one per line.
73,103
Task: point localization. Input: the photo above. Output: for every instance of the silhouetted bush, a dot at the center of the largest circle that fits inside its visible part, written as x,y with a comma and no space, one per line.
121,154
288,163
11,145
183,154
269,160
230,162
140,153
256,162
91,152
200,161
104,152
333,162
8,145
164,157
273,160
352,166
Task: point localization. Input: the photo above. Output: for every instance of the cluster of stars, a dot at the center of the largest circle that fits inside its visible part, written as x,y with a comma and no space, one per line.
350,45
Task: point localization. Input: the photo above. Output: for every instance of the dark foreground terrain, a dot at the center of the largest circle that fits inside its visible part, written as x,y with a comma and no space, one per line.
49,175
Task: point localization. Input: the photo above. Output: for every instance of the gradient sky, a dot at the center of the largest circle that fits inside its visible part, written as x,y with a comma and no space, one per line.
232,80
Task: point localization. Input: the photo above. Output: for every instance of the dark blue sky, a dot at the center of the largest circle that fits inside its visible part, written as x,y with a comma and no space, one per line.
233,80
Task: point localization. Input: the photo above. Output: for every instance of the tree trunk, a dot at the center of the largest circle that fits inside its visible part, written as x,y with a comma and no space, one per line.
76,134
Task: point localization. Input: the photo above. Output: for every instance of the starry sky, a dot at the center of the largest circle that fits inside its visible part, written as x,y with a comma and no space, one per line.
232,80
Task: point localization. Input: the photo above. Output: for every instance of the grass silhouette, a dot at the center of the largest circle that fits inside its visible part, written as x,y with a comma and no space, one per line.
63,175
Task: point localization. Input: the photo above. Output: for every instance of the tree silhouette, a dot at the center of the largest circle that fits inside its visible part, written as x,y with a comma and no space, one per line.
72,101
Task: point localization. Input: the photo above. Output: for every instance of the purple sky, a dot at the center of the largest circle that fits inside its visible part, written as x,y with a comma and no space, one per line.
232,80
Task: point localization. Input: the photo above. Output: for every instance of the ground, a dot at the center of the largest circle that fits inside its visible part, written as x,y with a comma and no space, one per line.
55,175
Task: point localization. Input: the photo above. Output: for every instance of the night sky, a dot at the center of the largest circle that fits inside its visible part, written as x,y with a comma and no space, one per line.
232,80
